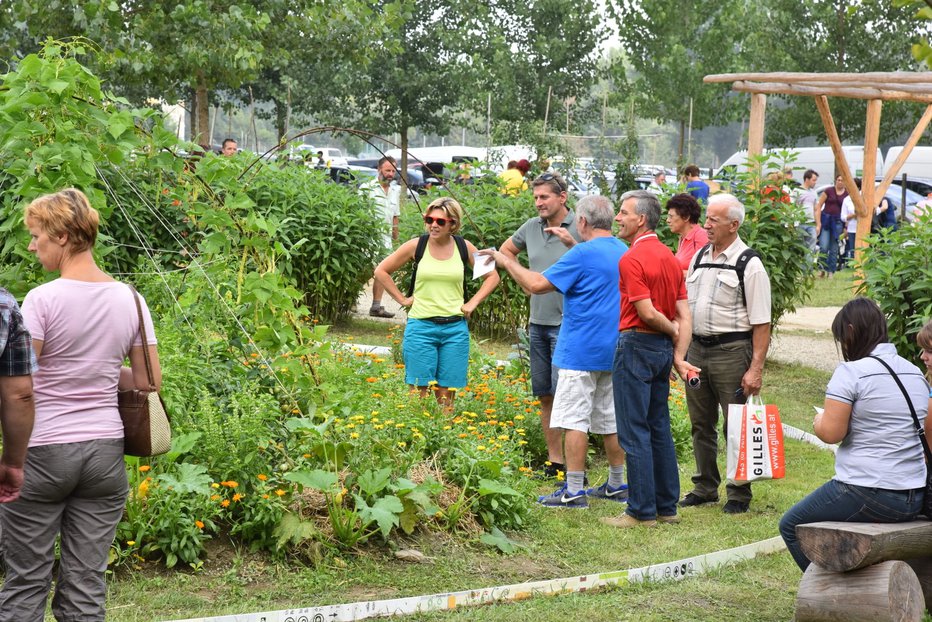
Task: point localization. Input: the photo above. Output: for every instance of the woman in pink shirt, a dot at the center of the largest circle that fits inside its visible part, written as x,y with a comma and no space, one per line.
683,213
83,325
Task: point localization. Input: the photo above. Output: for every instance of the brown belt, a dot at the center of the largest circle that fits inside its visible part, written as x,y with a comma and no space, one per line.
638,329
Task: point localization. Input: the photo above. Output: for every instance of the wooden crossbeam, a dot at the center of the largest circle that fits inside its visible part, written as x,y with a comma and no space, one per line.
853,92
888,77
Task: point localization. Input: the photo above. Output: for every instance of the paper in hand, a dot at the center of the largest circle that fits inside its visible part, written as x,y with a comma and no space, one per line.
482,265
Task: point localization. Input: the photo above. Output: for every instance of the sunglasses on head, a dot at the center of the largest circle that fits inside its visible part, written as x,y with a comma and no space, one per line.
553,178
441,222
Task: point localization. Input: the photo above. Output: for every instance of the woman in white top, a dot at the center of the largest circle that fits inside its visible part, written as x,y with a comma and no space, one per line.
880,469
83,325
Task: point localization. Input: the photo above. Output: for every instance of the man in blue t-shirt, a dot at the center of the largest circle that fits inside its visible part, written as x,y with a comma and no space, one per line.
587,276
694,184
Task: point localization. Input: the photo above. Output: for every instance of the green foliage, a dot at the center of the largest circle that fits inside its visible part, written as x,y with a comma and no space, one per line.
489,219
897,272
770,228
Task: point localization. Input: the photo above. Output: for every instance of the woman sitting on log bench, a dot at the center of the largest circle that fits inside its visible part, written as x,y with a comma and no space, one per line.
880,469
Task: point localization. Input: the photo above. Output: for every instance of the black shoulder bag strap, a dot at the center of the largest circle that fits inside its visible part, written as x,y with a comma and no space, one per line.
919,429
419,254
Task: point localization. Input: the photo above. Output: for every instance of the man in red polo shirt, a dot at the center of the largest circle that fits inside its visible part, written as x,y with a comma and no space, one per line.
654,336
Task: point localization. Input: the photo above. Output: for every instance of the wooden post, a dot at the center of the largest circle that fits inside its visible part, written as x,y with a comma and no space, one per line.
887,591
756,125
871,137
840,160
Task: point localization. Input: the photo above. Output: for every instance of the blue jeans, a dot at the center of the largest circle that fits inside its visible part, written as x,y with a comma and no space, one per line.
542,343
836,501
641,385
828,242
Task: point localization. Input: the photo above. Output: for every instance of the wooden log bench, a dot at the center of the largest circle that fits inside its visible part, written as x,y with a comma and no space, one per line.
865,571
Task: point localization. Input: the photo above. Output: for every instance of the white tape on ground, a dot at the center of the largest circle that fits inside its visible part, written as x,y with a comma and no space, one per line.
676,570
806,437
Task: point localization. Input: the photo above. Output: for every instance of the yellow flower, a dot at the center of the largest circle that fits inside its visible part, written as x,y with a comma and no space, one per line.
262,476
143,489
354,435
280,492
130,543
144,468
481,447
402,444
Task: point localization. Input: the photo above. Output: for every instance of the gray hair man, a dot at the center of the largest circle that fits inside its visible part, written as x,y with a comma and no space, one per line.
587,276
546,237
729,297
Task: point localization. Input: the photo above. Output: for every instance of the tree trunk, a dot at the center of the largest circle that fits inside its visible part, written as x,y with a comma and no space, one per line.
201,111
403,134
281,117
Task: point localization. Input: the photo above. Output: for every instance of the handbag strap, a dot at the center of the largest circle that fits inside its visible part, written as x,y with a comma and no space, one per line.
142,335
912,411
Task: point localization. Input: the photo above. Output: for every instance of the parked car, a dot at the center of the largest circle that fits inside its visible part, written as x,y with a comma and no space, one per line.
919,185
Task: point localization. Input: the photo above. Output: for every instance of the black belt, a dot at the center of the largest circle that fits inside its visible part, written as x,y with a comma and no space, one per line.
716,340
440,319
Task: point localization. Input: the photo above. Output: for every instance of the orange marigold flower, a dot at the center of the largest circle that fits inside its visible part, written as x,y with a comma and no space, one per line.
225,503
371,379
199,524
280,492
262,476
144,468
238,496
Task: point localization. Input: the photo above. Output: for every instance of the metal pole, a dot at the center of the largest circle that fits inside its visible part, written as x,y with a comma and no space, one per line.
689,134
488,123
547,110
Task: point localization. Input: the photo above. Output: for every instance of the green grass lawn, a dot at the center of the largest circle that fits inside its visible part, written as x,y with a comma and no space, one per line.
833,292
557,543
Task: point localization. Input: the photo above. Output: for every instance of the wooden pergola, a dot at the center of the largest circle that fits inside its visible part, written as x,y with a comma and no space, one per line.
875,87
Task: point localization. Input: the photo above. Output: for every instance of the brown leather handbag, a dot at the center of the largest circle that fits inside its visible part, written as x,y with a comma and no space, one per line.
146,428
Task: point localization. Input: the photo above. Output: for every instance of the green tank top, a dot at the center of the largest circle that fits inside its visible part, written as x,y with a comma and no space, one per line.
438,289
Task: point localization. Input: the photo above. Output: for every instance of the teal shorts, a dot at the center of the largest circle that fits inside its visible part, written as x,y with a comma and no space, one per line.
436,353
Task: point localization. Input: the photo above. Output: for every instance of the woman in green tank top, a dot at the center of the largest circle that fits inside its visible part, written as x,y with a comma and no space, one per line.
436,341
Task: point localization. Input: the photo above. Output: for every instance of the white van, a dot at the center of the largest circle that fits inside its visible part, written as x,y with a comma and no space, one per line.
819,159
918,164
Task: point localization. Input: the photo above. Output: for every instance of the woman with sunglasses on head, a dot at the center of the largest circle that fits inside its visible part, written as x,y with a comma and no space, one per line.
880,470
436,341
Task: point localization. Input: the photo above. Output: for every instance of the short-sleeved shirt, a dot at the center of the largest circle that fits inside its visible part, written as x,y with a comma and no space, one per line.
17,357
586,276
649,270
87,329
513,182
698,189
847,209
806,199
715,295
543,250
387,204
690,244
833,201
881,448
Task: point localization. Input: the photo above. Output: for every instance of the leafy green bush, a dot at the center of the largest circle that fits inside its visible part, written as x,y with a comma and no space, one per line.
897,270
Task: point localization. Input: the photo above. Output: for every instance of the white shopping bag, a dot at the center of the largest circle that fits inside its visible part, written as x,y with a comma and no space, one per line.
755,442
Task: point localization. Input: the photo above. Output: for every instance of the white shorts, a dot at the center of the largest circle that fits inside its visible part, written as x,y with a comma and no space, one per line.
584,402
